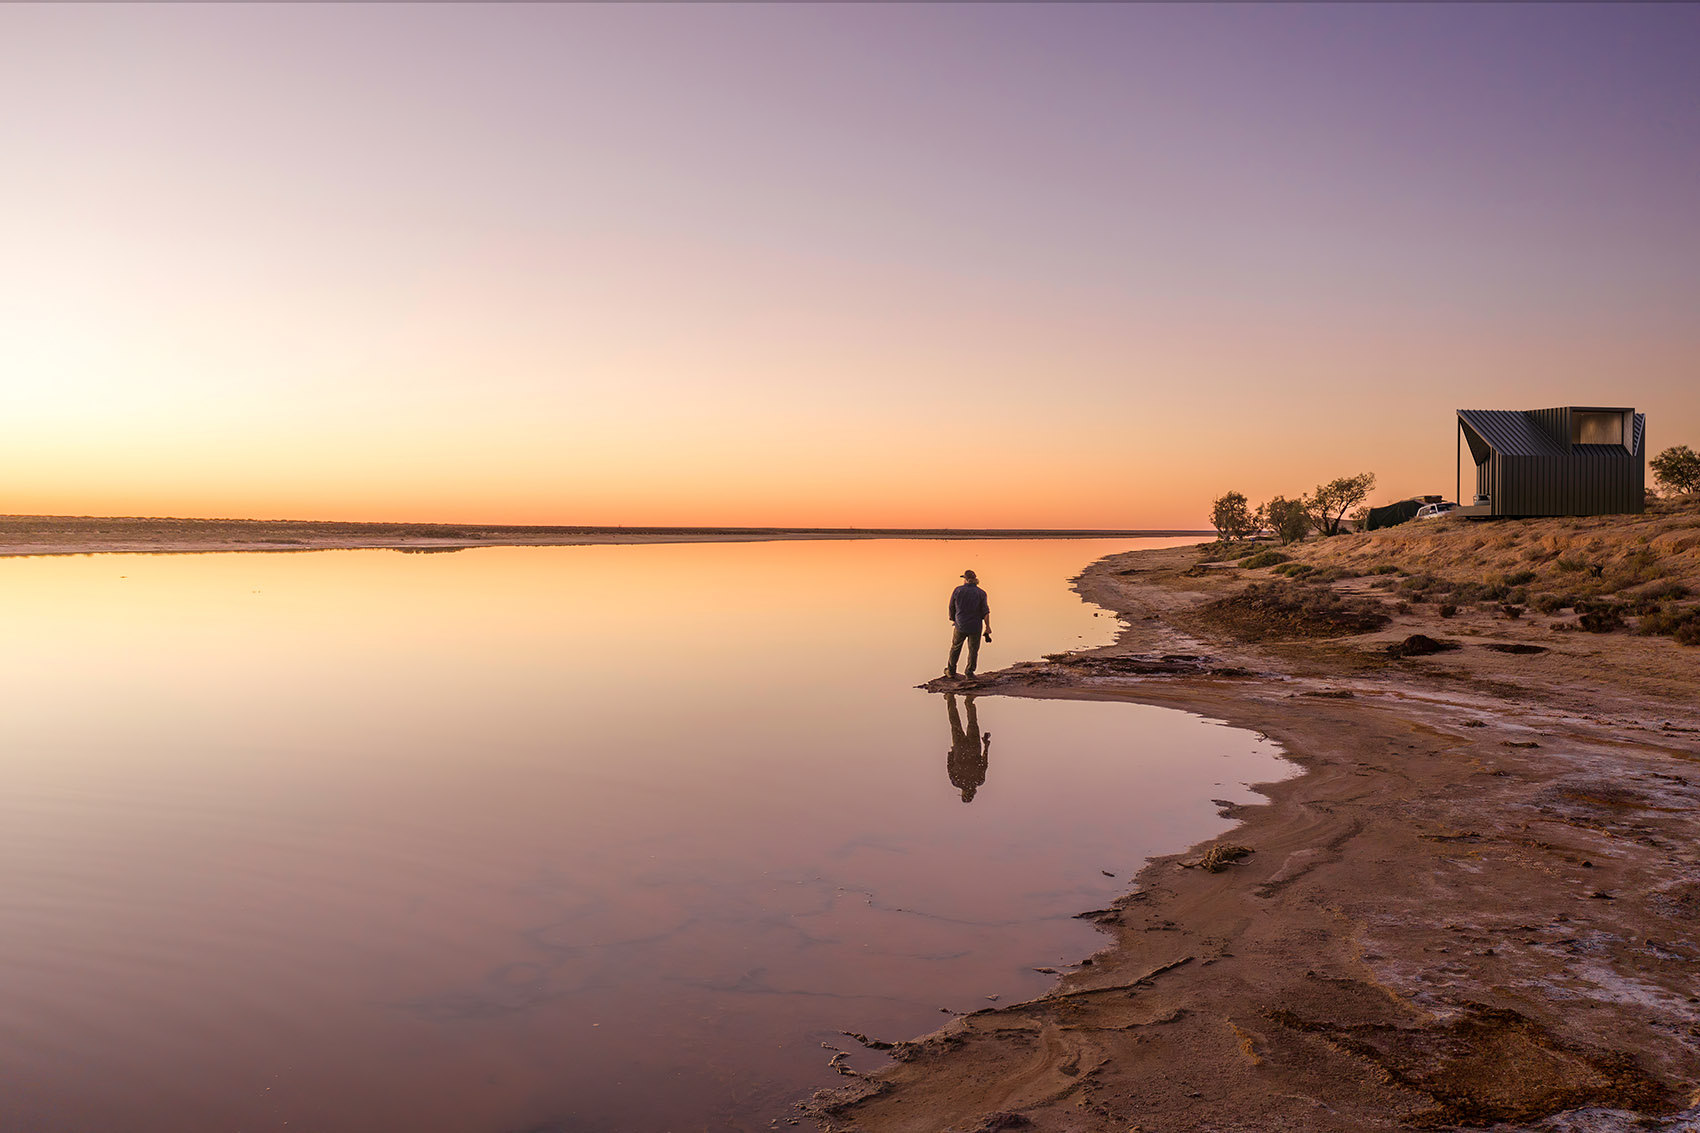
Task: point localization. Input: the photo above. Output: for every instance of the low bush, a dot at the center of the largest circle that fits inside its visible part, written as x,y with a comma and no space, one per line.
1263,559
1418,583
1662,591
1680,622
1447,610
1600,617
1266,610
1224,549
1294,570
1520,578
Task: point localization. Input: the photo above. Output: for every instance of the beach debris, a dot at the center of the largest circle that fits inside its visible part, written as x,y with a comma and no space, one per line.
1331,693
997,1122
1160,969
994,998
1475,723
1047,971
1218,857
1516,647
1519,743
1420,645
1103,916
1106,873
871,1044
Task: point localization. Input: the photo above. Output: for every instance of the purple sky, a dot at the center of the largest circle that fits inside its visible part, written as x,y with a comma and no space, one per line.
688,263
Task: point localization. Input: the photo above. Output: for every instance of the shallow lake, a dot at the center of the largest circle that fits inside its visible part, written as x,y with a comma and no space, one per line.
526,839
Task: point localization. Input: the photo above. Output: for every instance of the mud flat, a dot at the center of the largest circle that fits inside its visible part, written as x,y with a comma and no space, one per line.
83,535
1479,906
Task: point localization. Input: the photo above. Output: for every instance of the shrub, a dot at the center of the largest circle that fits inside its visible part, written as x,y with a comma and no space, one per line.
1263,559
1418,583
1382,568
1642,566
1230,515
1275,609
1677,469
1570,565
1663,590
1294,570
1286,518
1222,551
1510,611
1600,617
1447,610
1328,505
1682,623
1520,578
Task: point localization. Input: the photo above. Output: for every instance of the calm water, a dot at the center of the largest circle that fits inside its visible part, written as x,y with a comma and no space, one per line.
599,838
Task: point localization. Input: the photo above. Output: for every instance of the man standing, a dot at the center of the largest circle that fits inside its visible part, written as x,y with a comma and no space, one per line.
969,611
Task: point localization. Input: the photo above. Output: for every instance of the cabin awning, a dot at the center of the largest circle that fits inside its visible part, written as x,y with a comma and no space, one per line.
1511,433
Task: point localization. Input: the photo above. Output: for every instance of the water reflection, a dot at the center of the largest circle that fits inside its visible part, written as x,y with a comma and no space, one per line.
318,861
970,749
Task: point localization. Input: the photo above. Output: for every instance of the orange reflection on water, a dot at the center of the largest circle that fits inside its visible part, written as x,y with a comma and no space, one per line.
603,837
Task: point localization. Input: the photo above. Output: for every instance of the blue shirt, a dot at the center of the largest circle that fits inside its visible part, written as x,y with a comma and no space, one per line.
968,607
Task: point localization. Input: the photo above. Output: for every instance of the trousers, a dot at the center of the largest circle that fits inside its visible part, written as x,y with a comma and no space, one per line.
957,637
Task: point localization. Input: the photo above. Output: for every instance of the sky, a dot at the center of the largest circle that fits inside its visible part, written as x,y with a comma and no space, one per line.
825,265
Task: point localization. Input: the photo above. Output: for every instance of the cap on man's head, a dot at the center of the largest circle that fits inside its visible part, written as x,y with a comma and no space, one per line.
970,576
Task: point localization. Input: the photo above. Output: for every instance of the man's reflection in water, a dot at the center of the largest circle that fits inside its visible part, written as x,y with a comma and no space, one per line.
969,750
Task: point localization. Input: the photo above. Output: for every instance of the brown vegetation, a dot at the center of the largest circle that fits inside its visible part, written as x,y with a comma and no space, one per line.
1610,572
1271,611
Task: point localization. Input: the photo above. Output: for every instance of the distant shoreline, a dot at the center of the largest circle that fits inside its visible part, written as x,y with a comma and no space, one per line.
86,535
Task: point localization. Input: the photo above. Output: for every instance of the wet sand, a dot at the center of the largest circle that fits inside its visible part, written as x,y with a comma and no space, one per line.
1477,907
82,535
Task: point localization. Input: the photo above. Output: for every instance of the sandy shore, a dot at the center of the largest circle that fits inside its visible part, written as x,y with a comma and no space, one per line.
84,535
1479,905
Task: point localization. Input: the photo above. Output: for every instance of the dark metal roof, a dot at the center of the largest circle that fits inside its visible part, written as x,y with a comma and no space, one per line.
1511,432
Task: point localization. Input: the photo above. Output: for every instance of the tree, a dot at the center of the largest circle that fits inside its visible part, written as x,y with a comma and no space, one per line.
1230,515
1285,517
1678,469
1331,501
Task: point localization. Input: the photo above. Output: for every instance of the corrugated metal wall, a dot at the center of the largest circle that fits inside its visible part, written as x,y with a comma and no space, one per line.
1593,480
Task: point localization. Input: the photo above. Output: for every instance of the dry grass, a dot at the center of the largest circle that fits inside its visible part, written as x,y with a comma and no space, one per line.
1275,611
1605,568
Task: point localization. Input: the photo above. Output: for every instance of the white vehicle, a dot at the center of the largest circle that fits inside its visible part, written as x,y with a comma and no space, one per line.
1436,511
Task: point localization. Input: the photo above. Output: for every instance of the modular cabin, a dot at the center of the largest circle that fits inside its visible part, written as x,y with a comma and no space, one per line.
1574,460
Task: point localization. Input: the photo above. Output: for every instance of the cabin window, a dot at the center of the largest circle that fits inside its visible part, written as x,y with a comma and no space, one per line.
1596,428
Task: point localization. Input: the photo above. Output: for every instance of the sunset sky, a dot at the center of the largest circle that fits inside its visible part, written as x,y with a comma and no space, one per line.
984,266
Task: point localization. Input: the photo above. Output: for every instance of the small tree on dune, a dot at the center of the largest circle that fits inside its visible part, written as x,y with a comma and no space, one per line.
1285,517
1678,469
1328,505
1230,515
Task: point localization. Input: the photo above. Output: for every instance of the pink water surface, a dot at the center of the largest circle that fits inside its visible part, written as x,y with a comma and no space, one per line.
595,838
